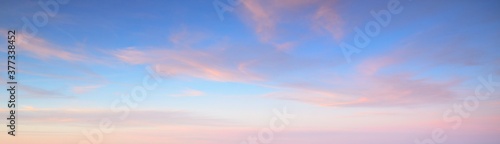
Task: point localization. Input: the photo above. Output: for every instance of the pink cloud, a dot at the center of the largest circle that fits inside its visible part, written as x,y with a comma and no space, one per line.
267,17
42,49
85,89
189,93
35,92
187,62
264,22
371,91
371,66
327,19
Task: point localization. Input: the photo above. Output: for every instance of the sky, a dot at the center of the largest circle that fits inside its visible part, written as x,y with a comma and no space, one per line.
253,71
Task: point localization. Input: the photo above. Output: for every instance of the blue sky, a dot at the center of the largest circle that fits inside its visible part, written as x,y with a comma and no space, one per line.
222,79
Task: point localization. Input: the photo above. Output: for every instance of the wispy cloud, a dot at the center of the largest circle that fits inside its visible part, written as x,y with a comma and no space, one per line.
149,117
44,50
268,19
35,92
371,91
189,93
85,89
263,21
194,63
327,19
